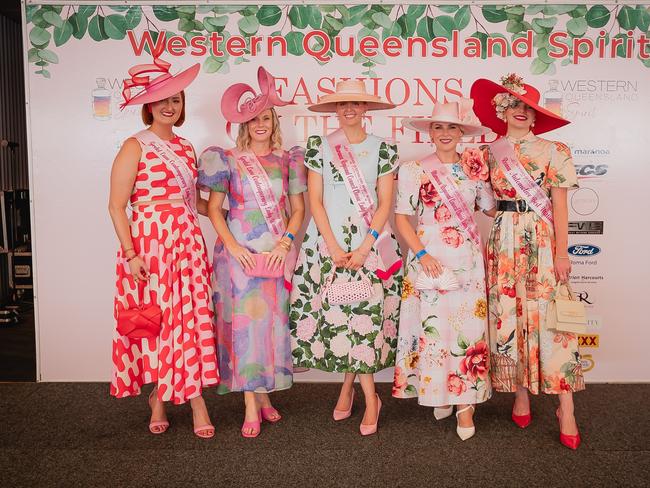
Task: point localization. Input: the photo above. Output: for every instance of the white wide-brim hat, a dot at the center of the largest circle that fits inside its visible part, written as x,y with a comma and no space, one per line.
349,91
460,113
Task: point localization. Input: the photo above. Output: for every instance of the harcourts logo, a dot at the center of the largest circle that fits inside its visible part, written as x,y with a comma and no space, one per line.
584,250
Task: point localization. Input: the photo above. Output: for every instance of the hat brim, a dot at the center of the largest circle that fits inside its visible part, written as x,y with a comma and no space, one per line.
423,124
328,102
483,91
167,88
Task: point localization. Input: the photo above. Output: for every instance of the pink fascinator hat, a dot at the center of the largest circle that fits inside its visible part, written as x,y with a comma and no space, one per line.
162,86
237,111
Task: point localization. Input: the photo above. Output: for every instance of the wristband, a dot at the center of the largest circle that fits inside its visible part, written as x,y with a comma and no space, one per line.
131,258
421,253
373,233
290,236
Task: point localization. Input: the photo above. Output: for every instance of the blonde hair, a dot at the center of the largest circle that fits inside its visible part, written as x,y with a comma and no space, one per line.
244,137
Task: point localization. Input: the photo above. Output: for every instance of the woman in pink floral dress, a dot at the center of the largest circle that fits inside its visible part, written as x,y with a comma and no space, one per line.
527,251
163,259
442,351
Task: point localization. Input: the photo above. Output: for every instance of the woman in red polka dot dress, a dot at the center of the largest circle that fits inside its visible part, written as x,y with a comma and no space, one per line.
162,259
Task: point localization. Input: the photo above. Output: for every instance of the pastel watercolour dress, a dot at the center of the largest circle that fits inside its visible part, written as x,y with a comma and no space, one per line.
359,337
252,313
443,347
521,280
181,361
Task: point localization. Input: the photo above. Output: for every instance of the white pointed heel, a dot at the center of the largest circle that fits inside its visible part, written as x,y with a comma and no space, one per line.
443,413
465,432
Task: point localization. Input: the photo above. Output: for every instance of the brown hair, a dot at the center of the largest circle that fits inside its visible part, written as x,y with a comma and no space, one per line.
244,137
147,116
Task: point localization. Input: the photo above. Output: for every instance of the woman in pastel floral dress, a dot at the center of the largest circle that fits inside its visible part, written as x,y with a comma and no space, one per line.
358,338
527,252
254,351
442,352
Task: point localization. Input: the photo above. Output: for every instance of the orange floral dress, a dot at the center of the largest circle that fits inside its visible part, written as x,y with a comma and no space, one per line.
521,281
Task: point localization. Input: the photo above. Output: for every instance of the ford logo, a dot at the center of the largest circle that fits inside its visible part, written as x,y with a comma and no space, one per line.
583,250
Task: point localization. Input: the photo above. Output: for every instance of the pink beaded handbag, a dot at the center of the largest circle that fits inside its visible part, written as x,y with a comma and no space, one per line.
347,292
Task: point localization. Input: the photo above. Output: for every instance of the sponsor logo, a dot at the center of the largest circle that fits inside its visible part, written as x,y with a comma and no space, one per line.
594,321
585,278
584,201
587,362
583,296
589,152
587,227
588,340
591,171
581,250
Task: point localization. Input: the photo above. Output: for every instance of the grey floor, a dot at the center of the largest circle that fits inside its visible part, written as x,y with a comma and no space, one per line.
74,434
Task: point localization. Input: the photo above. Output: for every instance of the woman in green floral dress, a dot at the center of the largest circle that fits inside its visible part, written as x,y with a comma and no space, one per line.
357,338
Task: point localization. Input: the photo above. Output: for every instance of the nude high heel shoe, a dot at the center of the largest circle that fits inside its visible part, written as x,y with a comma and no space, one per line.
465,432
371,429
443,413
344,414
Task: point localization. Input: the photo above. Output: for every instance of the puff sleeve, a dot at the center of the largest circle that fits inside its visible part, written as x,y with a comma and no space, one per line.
214,170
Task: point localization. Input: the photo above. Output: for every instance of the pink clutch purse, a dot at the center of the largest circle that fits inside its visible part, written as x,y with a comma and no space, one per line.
347,292
260,270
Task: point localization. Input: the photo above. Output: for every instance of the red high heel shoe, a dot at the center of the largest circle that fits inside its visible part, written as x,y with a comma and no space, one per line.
522,421
570,441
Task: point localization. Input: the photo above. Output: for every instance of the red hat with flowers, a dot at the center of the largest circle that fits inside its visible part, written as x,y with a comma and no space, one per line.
492,99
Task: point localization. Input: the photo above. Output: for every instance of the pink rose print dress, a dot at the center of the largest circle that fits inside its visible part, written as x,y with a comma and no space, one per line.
442,351
521,281
254,350
182,360
359,337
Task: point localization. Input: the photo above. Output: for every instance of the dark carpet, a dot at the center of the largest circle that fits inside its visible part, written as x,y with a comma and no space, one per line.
75,435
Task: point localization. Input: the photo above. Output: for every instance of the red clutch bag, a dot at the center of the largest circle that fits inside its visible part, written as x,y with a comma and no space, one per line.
140,322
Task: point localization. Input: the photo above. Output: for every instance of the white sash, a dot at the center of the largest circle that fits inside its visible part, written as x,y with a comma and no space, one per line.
176,165
269,205
521,181
343,159
452,197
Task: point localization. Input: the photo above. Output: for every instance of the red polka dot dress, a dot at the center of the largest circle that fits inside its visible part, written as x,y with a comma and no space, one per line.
182,359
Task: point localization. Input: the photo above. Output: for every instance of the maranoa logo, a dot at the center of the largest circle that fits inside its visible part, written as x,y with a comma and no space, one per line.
584,250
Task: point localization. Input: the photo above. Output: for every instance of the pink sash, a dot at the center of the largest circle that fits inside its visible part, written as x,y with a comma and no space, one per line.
176,165
452,197
343,160
269,206
521,181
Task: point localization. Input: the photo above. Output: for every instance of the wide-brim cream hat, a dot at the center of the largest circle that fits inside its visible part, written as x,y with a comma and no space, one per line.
460,113
349,91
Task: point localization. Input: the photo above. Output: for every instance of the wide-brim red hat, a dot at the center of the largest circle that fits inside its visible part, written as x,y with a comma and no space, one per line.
483,92
163,86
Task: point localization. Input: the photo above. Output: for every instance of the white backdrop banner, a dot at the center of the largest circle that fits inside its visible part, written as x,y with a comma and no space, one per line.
591,62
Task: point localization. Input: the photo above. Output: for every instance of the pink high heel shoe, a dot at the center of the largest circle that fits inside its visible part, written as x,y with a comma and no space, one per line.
344,414
254,426
153,425
270,414
201,431
371,429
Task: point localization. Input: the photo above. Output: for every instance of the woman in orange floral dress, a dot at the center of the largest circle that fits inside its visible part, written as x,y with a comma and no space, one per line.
527,251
